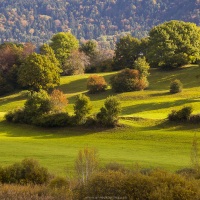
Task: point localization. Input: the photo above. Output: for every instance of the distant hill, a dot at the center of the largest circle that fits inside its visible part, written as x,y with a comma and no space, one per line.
37,20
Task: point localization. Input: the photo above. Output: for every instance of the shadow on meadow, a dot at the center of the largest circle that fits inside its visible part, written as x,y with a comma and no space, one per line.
12,98
161,79
155,106
24,130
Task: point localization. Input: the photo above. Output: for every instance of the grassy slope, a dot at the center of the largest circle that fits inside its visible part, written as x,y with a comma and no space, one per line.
151,142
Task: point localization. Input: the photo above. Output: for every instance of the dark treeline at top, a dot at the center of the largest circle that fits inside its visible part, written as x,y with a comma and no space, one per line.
37,20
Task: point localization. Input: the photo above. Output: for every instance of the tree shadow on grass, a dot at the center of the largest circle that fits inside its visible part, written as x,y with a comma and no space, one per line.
9,99
24,130
155,106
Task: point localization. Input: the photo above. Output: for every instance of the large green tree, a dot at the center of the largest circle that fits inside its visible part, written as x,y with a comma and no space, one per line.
46,50
128,49
173,44
38,72
63,43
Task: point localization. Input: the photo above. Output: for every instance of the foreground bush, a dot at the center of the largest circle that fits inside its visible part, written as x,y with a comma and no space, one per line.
96,84
156,185
32,192
176,86
128,80
26,172
181,115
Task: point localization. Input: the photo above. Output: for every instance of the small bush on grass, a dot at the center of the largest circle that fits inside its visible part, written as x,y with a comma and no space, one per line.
26,172
181,115
16,116
176,86
109,114
96,84
82,108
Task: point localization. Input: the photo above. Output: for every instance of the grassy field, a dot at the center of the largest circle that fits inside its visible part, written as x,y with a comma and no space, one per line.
146,139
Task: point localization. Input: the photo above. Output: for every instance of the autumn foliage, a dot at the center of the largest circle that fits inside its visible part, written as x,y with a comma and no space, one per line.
96,84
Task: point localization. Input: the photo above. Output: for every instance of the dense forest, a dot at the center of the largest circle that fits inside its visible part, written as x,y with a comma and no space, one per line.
38,20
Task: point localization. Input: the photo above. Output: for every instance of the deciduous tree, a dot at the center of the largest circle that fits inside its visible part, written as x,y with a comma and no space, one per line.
173,44
38,72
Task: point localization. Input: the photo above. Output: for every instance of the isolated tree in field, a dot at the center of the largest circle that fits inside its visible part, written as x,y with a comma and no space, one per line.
109,114
96,84
76,63
38,72
174,44
86,164
127,51
63,43
58,101
82,108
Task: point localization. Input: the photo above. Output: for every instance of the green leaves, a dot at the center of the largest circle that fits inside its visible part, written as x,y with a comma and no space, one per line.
62,44
174,44
38,72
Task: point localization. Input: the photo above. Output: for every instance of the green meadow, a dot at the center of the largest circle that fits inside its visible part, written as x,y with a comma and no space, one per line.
145,137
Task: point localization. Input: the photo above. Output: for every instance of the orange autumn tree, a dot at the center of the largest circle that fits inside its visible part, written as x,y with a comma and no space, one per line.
58,101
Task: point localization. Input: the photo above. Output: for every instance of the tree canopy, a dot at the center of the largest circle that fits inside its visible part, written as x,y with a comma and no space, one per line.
63,44
173,44
38,72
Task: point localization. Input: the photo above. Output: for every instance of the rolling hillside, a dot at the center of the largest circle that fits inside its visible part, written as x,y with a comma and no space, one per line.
146,137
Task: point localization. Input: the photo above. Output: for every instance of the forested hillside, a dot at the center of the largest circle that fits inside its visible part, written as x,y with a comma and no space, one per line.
38,20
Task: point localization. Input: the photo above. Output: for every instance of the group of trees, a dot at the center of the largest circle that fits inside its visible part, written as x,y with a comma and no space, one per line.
171,44
42,109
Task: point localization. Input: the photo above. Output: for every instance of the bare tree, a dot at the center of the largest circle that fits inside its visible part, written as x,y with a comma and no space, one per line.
86,163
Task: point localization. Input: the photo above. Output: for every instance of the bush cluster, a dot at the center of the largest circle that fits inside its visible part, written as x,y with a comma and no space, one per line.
155,185
53,120
41,111
181,115
26,172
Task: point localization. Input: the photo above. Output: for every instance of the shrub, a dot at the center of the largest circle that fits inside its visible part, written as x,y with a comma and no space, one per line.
156,185
27,171
181,115
53,120
96,84
195,118
59,183
16,116
58,101
82,108
128,80
176,86
113,166
108,115
38,103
